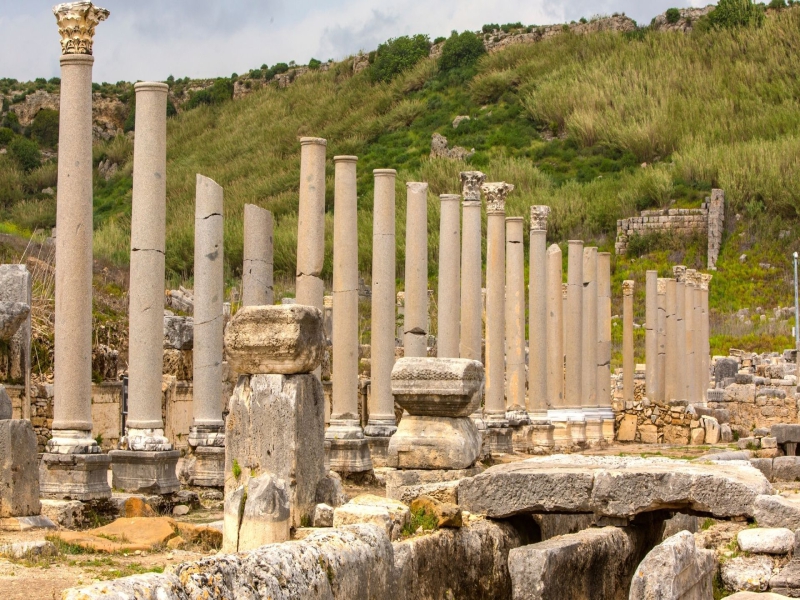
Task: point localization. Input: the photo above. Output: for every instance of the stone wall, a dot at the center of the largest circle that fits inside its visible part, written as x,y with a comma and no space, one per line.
679,221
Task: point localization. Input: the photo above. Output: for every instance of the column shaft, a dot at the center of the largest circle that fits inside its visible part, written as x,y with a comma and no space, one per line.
555,330
589,340
574,325
515,314
651,335
680,340
537,317
628,364
604,330
257,282
311,223
699,383
415,319
471,272
495,325
689,328
661,337
449,294
671,359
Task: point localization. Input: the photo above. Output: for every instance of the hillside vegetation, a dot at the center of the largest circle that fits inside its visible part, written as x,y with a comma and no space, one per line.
596,126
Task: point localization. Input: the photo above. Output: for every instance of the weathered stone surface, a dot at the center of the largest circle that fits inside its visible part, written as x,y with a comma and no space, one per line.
275,339
777,511
5,404
434,443
145,472
178,332
65,513
613,486
265,518
712,430
389,514
764,465
405,485
725,368
594,564
787,580
766,540
323,516
627,429
28,550
784,432
150,586
680,522
675,570
12,316
756,596
445,491
19,473
447,514
123,535
747,573
438,387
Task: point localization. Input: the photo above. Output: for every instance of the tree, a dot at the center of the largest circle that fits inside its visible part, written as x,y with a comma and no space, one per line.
397,55
44,129
461,50
673,15
314,64
736,13
25,152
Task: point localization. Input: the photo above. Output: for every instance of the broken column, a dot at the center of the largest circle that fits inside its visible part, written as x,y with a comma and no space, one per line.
651,335
15,325
439,394
605,412
207,435
716,226
310,288
671,355
348,450
471,267
449,297
516,411
628,364
257,283
538,345
73,466
148,464
415,319
274,455
499,435
382,423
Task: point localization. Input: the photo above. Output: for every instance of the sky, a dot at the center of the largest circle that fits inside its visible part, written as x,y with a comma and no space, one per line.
152,39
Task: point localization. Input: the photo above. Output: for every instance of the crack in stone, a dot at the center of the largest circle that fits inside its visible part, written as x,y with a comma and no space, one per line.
209,321
416,331
147,250
211,215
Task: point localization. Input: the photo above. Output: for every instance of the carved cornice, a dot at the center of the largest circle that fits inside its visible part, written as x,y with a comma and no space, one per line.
76,23
471,182
496,193
539,214
627,287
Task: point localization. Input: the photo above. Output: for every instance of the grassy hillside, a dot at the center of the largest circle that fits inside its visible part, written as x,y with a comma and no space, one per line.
595,126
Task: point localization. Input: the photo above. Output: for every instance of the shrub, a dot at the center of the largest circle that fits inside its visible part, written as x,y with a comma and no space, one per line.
736,13
44,129
6,135
54,81
314,64
398,55
11,120
490,27
171,110
280,68
439,39
220,92
461,50
25,152
583,20
776,4
673,15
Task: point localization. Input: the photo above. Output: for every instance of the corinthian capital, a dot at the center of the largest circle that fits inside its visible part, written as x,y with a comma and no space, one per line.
76,23
496,196
471,185
539,214
627,287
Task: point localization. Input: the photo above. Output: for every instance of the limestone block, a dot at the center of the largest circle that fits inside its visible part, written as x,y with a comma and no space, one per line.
178,332
323,516
434,443
145,472
712,430
787,580
747,573
766,540
676,434
739,393
65,513
438,387
784,433
5,404
649,434
697,436
389,514
178,363
330,491
12,316
786,468
675,569
19,474
769,442
446,513
777,511
764,465
627,429
442,484
28,550
275,339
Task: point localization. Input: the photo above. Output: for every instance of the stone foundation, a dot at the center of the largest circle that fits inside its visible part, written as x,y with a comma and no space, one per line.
74,476
145,472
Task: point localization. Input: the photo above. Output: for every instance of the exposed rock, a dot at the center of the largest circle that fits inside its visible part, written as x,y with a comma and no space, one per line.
65,513
675,570
178,332
150,586
105,362
447,514
388,514
459,120
323,516
123,535
12,316
747,573
787,580
6,410
439,149
180,511
765,540
28,550
107,169
777,511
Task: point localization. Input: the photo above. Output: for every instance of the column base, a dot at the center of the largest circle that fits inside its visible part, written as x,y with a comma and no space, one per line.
521,439
608,429
74,476
480,422
425,442
346,456
145,472
146,440
378,449
542,435
498,440
594,431
565,414
72,441
562,433
578,432
380,428
210,436
208,469
517,416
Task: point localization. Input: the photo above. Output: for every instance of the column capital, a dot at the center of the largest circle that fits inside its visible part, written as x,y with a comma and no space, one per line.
705,279
679,271
313,141
76,24
539,214
471,182
496,193
627,287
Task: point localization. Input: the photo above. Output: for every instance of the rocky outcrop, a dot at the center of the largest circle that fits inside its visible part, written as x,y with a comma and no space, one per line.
688,17
440,149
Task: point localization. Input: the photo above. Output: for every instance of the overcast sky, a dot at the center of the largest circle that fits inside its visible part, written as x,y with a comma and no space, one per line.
151,39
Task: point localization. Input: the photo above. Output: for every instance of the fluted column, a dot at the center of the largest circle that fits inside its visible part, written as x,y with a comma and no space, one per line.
257,283
589,339
515,319
449,295
382,421
574,325
538,344
628,364
415,318
661,337
651,335
671,360
471,271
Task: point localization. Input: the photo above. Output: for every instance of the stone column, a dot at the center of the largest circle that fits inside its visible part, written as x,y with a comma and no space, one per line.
79,476
471,267
449,311
555,347
257,281
680,340
700,381
628,364
348,451
148,465
495,410
604,344
705,347
311,222
661,337
671,357
515,321
589,338
651,335
689,323
382,422
415,319
564,313
538,344
574,325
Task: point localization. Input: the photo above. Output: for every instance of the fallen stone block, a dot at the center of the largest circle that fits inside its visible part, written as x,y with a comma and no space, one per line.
787,580
123,535
26,523
447,515
777,511
19,471
28,550
675,569
150,586
764,465
747,573
786,468
766,540
178,332
323,516
66,513
405,483
389,514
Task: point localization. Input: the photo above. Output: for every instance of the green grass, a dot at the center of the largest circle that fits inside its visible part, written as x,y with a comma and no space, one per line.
420,518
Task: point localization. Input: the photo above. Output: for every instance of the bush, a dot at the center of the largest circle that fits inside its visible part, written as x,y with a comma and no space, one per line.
673,15
461,50
490,27
314,64
25,152
439,39
6,135
280,68
583,21
11,120
220,92
44,129
398,55
736,13
776,4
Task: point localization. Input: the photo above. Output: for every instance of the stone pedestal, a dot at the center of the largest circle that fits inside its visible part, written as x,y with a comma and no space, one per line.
594,431
542,436
19,478
74,476
562,434
449,295
415,314
257,271
207,466
471,262
578,431
142,472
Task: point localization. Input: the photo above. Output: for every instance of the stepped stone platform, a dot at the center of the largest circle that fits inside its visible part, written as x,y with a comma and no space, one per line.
614,487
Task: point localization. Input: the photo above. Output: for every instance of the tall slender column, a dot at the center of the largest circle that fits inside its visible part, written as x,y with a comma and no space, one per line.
689,377
515,319
680,339
449,296
700,382
348,450
415,319
651,335
628,365
604,343
671,360
72,406
257,283
574,324
555,348
311,223
499,439
382,422
661,337
564,313
589,338
705,281
471,271
538,344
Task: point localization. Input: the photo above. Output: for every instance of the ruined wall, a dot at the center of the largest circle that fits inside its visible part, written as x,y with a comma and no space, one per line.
679,221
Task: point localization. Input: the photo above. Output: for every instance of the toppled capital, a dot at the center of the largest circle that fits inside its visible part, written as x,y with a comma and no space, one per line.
76,24
539,214
471,182
627,287
496,193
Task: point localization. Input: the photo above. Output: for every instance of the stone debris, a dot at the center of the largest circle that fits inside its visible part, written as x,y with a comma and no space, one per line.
440,149
12,316
323,516
447,514
747,573
777,511
28,550
765,540
787,580
390,515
